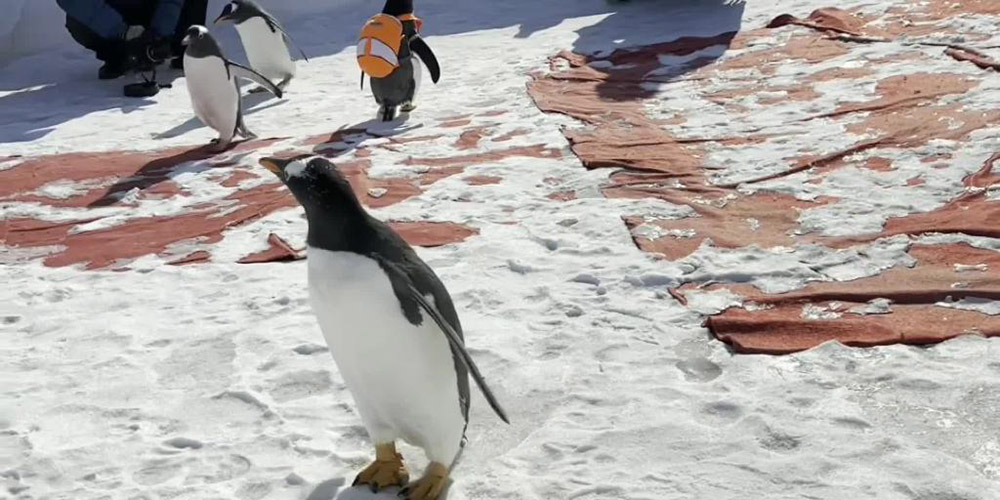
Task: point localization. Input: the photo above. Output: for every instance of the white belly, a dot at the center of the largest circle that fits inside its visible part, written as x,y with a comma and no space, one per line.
402,376
214,96
266,50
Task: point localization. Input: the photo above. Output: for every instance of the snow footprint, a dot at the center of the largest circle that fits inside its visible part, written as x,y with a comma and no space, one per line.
699,369
723,410
300,384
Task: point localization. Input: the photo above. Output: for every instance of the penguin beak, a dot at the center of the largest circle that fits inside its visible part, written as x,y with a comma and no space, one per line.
274,165
222,17
186,40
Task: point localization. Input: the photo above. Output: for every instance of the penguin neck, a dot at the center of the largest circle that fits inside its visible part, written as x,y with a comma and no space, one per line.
341,230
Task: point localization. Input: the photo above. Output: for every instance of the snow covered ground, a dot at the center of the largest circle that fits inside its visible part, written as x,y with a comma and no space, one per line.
211,380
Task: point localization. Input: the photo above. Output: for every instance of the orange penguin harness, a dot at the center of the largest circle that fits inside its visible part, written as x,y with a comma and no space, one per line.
380,42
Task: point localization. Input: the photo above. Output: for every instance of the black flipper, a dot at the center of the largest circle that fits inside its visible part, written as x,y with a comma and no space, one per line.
399,277
242,71
424,52
362,80
275,26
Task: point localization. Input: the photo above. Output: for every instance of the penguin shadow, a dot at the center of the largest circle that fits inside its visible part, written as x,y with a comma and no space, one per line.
350,138
156,171
252,103
333,489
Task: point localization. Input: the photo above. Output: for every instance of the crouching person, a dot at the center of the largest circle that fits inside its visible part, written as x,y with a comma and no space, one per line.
132,34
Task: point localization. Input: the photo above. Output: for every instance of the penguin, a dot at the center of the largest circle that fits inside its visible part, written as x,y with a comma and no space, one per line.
264,39
398,89
212,85
391,327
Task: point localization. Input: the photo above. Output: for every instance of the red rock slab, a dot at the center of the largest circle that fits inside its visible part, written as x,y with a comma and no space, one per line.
455,123
646,149
535,151
278,250
766,220
470,137
982,60
433,234
826,19
510,135
782,330
482,180
144,235
198,257
416,138
984,177
238,176
562,196
776,325
334,137
879,164
971,214
804,48
112,174
910,89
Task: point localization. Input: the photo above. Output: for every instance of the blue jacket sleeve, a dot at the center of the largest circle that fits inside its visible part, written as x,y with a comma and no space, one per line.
96,15
168,14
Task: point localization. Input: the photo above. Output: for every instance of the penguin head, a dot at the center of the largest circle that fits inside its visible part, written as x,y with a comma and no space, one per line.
317,184
238,11
194,34
199,43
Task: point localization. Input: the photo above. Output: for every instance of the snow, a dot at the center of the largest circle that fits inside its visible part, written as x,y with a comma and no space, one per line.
213,381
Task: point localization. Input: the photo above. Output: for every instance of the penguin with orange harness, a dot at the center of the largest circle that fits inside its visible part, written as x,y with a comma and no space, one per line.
386,49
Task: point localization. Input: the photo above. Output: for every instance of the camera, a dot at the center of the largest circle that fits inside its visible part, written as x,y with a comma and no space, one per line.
143,57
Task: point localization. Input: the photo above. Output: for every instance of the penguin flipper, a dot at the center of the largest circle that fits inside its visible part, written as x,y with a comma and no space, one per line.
426,55
242,71
399,276
276,26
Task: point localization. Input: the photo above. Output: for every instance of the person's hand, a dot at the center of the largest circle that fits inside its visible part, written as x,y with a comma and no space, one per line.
147,51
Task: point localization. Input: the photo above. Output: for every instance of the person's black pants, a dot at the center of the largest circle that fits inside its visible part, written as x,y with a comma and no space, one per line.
193,12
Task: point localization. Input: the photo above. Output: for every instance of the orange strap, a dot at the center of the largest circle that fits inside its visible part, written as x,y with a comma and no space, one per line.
411,17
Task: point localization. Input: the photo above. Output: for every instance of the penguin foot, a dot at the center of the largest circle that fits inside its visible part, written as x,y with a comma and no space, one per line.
387,469
217,145
387,113
428,487
407,107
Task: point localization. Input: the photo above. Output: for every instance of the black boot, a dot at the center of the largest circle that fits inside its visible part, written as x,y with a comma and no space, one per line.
112,69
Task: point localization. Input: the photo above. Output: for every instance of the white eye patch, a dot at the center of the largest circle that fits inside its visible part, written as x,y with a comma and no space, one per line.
295,168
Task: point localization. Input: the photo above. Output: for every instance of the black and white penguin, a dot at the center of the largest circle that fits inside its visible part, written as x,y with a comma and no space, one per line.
399,89
264,39
212,85
391,327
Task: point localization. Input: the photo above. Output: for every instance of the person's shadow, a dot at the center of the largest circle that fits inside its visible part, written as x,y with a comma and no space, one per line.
35,105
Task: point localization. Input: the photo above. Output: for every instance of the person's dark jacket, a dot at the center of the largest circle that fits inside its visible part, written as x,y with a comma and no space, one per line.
103,17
